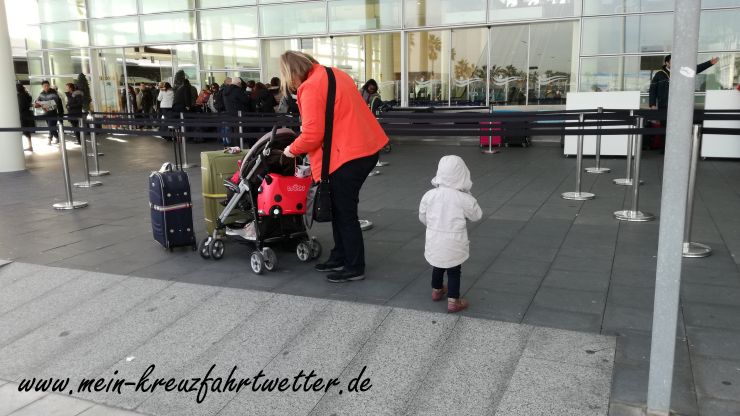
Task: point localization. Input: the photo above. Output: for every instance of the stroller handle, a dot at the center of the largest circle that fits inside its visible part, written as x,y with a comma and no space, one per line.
266,150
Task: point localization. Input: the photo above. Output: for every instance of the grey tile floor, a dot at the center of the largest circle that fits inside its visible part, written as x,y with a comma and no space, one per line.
415,362
535,258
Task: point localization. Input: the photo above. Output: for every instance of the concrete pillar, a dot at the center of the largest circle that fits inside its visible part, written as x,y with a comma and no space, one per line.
11,145
673,205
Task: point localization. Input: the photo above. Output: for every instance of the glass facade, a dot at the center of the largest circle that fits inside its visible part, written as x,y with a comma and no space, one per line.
421,52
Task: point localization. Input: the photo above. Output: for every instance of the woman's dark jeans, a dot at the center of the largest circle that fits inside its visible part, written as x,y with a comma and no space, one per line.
453,280
349,248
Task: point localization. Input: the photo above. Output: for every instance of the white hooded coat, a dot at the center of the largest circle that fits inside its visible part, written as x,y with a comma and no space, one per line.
444,210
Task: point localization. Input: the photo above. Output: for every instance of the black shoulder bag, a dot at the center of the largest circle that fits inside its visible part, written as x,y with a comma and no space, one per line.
319,196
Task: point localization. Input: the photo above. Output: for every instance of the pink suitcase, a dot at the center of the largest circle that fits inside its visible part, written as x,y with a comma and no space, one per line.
495,140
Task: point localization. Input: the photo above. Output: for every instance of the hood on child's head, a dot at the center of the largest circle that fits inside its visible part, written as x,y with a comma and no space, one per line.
452,173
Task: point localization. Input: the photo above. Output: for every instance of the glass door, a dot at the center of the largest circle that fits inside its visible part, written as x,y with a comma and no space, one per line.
110,80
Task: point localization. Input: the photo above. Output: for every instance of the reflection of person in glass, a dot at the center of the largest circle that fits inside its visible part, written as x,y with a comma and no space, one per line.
658,97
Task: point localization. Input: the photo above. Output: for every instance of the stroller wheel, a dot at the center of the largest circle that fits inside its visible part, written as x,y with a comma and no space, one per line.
204,248
270,259
257,262
315,248
217,249
303,251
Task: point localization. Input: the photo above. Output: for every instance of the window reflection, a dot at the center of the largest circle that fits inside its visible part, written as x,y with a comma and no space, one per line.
228,23
429,57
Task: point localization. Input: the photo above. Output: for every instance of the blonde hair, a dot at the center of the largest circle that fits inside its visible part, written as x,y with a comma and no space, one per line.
294,66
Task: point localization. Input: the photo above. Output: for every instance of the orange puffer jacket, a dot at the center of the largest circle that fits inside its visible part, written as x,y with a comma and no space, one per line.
356,131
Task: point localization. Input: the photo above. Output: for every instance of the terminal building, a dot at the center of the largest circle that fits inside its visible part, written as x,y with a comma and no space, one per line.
510,53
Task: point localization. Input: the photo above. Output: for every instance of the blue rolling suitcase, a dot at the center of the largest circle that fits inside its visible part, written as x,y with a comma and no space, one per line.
170,204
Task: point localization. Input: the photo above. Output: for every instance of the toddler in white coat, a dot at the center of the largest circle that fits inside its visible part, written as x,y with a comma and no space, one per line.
444,210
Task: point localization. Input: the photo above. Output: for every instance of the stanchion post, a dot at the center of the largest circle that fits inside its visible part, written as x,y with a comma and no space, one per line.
70,203
490,150
627,180
86,169
634,214
184,144
578,195
94,144
691,249
597,152
241,129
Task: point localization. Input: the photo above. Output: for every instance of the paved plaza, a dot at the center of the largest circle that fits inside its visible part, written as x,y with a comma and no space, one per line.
561,295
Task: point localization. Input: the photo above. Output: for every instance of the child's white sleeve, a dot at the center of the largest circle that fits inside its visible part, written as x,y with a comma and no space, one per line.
423,210
472,209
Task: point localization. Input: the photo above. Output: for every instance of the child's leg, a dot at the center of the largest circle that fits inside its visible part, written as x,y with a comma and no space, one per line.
437,277
453,282
438,289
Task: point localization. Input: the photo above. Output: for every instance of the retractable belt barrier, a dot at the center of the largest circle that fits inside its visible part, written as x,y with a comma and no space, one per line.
541,123
404,122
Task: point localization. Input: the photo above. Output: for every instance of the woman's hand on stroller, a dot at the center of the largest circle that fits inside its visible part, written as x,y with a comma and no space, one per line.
287,153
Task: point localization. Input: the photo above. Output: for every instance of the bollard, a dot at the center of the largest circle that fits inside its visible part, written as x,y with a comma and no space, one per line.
185,164
241,130
86,169
634,214
95,154
691,249
70,204
627,180
490,150
578,195
598,168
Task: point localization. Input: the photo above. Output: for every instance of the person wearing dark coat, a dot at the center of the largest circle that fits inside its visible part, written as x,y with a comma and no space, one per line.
75,104
50,102
183,98
236,98
25,101
264,99
658,97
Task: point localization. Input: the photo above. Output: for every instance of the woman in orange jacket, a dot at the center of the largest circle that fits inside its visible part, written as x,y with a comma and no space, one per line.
356,140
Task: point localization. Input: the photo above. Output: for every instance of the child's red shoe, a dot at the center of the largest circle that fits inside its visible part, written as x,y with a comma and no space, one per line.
456,305
439,294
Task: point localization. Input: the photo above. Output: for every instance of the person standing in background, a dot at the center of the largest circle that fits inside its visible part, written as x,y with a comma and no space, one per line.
49,101
658,95
25,102
75,103
274,89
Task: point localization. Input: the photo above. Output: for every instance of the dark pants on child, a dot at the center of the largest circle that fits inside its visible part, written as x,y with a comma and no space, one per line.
453,280
349,248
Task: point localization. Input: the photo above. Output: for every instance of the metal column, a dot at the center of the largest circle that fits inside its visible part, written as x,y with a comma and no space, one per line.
691,249
85,168
597,152
673,205
70,203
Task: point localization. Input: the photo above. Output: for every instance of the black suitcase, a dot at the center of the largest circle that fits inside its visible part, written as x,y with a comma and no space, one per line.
522,141
170,204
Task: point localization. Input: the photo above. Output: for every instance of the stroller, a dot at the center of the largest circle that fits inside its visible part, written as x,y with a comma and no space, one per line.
274,199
